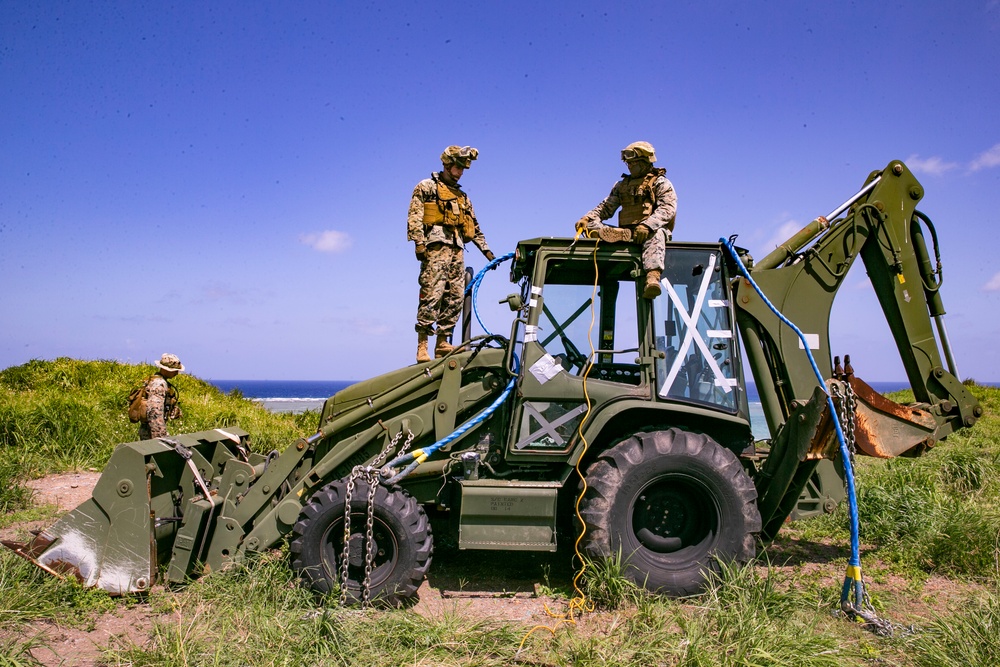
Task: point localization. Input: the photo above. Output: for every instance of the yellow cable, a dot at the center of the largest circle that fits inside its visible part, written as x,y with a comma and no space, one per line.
580,602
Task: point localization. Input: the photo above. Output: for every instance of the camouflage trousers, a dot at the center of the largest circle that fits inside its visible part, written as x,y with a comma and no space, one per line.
442,289
652,250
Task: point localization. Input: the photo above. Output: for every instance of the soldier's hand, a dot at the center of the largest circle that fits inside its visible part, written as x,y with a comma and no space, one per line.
640,233
581,225
420,251
490,256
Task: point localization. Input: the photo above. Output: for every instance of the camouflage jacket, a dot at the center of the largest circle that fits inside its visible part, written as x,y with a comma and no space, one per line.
161,405
422,234
664,203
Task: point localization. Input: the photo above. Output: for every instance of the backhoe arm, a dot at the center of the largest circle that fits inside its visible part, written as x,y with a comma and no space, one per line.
881,225
801,279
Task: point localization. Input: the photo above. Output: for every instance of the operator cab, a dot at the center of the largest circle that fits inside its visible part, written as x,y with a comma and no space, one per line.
583,302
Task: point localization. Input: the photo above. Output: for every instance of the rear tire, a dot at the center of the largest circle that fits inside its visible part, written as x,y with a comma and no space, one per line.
670,502
403,544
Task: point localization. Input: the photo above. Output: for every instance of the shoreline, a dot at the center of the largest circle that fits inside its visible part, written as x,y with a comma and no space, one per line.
293,405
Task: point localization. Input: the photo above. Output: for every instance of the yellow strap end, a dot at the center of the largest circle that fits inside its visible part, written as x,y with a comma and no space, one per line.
854,572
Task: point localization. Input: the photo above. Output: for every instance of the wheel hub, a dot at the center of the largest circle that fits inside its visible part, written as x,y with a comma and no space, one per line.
671,514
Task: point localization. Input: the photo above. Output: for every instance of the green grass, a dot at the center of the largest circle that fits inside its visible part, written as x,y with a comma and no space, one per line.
970,635
69,415
937,515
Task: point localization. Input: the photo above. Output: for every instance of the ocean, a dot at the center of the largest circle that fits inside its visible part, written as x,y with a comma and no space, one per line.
301,395
285,395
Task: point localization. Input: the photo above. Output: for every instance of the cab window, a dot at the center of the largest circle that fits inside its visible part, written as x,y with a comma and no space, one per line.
579,320
693,330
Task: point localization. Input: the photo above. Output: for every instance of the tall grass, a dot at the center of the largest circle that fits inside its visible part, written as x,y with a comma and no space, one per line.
68,414
258,615
28,594
939,513
969,636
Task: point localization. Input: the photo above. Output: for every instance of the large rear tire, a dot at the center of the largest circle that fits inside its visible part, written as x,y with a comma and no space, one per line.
403,544
670,502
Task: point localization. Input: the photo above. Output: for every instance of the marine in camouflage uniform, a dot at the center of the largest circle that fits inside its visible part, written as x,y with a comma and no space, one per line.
161,399
440,222
648,208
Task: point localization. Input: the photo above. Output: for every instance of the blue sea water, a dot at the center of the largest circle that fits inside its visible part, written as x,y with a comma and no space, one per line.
285,395
286,390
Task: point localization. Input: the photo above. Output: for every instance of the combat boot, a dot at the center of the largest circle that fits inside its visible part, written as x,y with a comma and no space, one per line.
422,354
610,234
442,347
652,289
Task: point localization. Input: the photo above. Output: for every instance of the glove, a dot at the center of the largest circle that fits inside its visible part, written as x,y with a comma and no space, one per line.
490,256
640,233
420,251
581,225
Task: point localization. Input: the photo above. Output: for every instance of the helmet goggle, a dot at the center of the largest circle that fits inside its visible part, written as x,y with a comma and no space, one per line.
629,154
461,156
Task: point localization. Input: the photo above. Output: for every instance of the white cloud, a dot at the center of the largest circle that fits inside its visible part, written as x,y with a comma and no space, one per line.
780,235
934,166
993,284
329,241
986,159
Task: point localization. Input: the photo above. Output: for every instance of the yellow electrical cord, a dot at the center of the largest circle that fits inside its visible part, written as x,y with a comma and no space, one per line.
580,603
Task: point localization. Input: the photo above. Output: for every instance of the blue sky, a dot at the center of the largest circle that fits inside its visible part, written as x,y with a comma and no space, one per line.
229,181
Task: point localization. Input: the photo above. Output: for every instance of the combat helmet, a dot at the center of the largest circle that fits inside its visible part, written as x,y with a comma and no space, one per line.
639,150
459,155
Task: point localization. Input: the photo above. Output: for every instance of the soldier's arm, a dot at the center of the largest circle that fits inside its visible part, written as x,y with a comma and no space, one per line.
479,239
665,211
415,218
604,210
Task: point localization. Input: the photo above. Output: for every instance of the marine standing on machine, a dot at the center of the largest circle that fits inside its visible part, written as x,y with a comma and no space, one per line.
648,209
440,222
159,399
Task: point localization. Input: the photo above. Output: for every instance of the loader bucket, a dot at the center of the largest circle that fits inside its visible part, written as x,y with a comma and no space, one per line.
119,538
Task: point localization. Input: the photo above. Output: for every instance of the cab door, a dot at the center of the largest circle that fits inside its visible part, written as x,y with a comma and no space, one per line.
580,309
694,333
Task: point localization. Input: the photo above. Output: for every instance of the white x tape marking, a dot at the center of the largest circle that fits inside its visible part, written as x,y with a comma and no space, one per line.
692,335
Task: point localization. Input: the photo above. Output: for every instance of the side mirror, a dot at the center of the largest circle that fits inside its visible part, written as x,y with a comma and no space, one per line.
514,301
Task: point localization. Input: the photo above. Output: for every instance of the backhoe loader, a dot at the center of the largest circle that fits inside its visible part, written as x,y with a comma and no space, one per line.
643,400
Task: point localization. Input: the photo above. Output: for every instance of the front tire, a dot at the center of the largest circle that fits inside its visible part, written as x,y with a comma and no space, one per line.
403,544
670,503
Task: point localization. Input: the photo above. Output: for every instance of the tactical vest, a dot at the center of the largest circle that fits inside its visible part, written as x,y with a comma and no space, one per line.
637,197
450,208
137,401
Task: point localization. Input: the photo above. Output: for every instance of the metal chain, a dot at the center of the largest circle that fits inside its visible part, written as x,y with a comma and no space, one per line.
846,413
847,421
370,475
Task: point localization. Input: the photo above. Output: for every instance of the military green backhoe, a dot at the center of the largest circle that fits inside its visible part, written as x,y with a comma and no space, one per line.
646,398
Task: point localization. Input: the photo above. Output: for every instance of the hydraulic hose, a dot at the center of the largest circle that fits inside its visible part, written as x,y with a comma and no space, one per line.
474,286
418,456
852,580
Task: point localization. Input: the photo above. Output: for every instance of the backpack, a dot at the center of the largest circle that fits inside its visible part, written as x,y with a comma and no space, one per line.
137,403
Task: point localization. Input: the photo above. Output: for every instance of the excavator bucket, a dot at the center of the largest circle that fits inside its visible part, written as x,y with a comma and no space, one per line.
882,428
118,539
